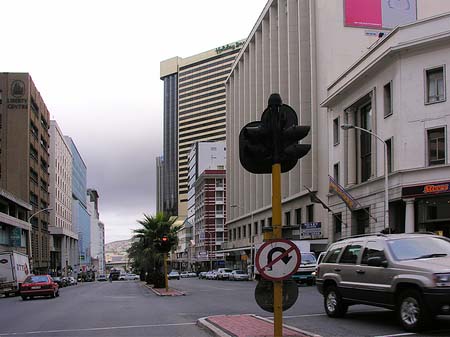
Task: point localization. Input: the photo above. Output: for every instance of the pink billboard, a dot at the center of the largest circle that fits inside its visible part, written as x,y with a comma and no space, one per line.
379,14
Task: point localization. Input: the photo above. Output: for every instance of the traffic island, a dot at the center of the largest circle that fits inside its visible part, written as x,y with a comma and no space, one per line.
247,326
163,292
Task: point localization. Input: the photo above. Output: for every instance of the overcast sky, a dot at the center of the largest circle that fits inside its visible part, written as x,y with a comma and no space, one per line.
96,64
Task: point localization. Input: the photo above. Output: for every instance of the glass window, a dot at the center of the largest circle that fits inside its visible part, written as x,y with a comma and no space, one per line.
336,130
387,93
373,249
336,172
365,142
287,218
256,228
310,213
389,154
262,225
244,231
337,223
436,146
419,248
298,216
435,85
332,255
350,254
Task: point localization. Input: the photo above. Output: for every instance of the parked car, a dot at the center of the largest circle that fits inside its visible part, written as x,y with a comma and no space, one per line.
174,275
58,280
202,274
66,282
184,274
192,274
38,285
211,275
319,260
72,281
408,273
239,275
224,273
102,278
131,277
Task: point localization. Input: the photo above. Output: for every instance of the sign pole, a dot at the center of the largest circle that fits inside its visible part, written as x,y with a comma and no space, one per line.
276,224
166,279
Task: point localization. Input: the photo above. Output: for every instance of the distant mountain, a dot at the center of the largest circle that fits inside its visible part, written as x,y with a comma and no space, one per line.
118,247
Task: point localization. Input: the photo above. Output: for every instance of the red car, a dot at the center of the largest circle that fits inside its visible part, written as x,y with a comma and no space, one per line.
38,285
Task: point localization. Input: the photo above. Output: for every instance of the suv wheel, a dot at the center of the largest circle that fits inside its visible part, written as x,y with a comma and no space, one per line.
334,305
412,312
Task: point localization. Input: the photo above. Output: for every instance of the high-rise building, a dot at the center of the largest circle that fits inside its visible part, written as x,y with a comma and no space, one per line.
159,184
24,157
97,233
80,217
194,110
64,239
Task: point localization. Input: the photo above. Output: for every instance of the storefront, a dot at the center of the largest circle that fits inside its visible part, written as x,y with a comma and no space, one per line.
429,207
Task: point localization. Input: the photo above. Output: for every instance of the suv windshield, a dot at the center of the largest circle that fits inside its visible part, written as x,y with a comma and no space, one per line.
419,248
308,259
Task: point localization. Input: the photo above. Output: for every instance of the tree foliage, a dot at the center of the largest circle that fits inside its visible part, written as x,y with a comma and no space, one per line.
145,258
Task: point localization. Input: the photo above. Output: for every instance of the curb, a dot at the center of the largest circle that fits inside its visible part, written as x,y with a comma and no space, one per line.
290,327
156,292
204,323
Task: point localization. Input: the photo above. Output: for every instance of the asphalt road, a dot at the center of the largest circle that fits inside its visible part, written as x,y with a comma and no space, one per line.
129,309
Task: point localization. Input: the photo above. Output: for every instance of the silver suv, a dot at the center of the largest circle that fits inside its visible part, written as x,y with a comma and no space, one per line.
408,273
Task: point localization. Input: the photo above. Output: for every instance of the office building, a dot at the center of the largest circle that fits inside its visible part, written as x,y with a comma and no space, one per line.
80,215
159,184
24,159
64,239
398,92
297,48
194,111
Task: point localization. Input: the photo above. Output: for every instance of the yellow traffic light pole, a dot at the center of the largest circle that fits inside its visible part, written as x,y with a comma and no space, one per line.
276,225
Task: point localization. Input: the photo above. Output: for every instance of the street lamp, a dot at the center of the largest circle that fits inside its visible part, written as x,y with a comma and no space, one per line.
386,185
252,238
30,252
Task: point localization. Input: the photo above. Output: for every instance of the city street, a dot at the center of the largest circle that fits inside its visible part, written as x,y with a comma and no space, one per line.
128,308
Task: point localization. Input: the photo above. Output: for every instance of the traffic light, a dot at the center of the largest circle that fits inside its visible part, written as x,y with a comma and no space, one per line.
255,148
291,150
163,244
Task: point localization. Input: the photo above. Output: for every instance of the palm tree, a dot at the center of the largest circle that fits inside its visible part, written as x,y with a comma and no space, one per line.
144,253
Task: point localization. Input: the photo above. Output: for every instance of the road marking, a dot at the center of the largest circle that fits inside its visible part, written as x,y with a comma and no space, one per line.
399,334
96,329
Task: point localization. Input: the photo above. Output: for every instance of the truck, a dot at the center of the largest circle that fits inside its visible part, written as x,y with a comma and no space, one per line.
14,269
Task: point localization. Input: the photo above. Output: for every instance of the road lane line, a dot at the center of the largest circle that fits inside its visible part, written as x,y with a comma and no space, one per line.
399,334
95,329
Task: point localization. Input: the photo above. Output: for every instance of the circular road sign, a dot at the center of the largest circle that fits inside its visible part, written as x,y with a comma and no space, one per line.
278,259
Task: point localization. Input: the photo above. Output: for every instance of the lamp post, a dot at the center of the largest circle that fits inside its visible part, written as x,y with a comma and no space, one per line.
252,239
30,251
386,185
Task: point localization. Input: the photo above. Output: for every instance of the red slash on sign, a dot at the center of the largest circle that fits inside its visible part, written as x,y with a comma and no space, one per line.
283,265
284,256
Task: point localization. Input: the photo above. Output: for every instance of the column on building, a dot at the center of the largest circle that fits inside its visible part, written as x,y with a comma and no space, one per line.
409,215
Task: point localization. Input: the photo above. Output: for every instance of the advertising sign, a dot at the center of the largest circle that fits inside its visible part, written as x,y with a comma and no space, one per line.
428,189
379,13
312,230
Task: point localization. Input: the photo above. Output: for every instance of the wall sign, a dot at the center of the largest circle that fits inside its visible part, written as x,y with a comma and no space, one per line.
17,91
379,13
424,190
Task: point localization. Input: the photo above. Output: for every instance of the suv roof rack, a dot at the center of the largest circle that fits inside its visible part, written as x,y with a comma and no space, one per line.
361,236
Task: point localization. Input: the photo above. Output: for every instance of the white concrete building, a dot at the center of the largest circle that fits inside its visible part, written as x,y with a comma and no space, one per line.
97,232
64,239
296,48
397,90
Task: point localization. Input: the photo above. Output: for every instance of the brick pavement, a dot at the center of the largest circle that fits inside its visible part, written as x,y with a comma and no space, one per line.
251,326
163,292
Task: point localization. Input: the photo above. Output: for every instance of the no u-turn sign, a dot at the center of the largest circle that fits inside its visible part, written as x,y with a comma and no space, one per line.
277,260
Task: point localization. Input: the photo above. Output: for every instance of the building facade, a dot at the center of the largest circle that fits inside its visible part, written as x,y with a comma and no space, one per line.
80,216
194,95
24,158
159,184
296,48
398,90
210,217
64,239
15,230
97,233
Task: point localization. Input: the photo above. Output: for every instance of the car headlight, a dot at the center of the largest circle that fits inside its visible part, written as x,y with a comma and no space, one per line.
442,280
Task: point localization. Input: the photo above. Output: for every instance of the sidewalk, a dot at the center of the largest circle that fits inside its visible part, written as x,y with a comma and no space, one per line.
163,292
247,326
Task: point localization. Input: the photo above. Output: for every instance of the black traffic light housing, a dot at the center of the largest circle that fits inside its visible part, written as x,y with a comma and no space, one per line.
273,140
163,244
